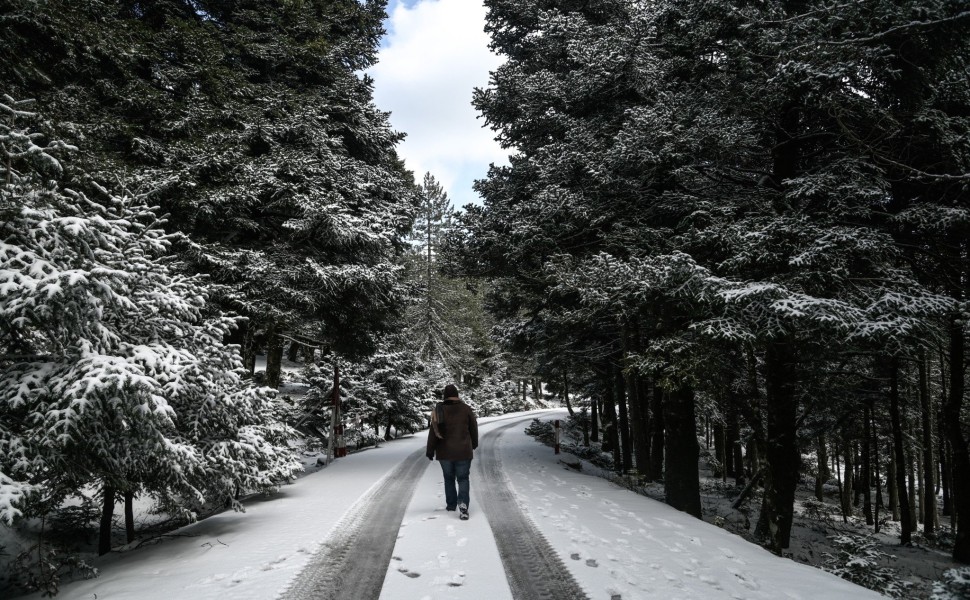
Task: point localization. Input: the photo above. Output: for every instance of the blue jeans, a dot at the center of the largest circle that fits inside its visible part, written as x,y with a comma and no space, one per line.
452,470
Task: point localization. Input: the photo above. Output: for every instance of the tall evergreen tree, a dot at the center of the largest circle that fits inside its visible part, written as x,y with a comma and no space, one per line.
249,123
112,371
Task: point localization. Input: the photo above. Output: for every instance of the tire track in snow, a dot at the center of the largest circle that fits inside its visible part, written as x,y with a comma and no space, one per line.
532,566
352,562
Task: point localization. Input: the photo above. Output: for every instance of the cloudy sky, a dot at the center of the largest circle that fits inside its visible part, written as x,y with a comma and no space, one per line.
434,54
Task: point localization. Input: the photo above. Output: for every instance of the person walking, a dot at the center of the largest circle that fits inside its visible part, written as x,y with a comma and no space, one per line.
452,437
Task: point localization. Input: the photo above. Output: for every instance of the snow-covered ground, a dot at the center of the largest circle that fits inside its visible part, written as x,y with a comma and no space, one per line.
618,545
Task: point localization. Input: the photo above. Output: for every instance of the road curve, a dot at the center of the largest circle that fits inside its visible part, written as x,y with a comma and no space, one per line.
352,563
533,568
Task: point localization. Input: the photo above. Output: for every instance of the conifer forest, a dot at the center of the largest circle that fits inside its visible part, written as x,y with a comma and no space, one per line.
730,233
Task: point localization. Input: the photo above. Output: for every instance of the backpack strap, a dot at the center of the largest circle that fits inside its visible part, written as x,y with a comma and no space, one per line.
437,418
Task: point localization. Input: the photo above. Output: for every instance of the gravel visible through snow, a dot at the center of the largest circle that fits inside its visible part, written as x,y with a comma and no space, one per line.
352,563
533,567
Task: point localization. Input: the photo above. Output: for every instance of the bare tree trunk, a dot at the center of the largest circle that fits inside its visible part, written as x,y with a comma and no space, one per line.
929,467
657,435
594,421
866,483
911,461
565,392
905,534
638,431
921,510
681,480
958,444
107,512
274,358
129,516
838,476
609,415
892,485
876,478
720,455
626,447
847,492
249,347
782,455
733,443
823,469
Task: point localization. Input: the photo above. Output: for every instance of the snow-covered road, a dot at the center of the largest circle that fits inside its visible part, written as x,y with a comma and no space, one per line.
615,544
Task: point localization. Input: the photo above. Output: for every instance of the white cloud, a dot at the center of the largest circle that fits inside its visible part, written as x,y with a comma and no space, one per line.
435,53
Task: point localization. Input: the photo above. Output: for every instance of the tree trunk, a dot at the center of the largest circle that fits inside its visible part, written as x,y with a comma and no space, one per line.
657,436
866,482
609,416
876,480
838,477
293,352
822,475
946,474
274,358
911,479
782,456
892,485
565,392
107,512
129,517
921,510
733,443
594,422
958,444
929,467
720,455
905,534
847,474
249,347
681,480
626,447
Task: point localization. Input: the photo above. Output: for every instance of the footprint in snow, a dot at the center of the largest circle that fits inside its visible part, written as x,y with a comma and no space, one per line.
458,580
462,542
574,556
744,580
410,574
591,562
730,555
272,565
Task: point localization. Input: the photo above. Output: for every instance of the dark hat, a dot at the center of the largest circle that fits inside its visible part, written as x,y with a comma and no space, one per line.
450,391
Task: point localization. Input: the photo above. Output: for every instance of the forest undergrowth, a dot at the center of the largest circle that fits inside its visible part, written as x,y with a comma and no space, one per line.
820,536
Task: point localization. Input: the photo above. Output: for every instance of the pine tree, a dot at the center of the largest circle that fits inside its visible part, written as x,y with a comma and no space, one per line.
249,124
114,373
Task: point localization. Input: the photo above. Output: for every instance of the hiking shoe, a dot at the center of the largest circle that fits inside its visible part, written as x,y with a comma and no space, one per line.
463,512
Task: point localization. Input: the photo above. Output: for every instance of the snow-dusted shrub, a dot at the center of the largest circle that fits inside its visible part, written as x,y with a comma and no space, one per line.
543,431
41,567
955,585
860,560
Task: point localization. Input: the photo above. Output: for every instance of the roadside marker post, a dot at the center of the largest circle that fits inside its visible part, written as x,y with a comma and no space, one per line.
557,436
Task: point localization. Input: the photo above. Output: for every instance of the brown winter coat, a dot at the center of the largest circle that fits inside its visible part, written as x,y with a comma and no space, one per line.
460,430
